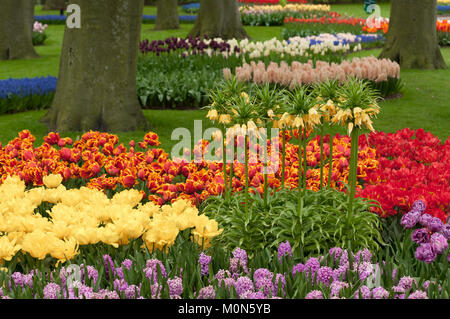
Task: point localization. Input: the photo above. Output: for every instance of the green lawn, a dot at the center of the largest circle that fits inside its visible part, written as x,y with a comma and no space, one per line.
148,10
356,9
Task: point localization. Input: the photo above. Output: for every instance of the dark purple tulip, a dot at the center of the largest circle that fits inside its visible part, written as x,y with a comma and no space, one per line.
410,219
435,224
439,243
425,219
420,236
446,231
426,253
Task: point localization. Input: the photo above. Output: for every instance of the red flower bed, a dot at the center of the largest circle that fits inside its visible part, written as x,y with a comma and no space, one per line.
395,169
334,19
412,165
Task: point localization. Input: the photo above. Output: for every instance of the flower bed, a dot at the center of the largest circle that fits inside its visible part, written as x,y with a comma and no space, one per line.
180,72
384,74
82,217
338,274
413,165
17,95
443,9
271,15
98,161
61,19
314,26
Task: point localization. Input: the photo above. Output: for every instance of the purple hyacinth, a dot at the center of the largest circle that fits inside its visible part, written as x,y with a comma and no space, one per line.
380,293
132,292
425,219
420,236
284,249
120,285
410,219
263,281
109,266
363,255
204,261
364,291
339,273
426,253
151,269
439,243
298,268
365,270
92,273
419,206
127,263
253,295
336,287
419,294
207,292
314,294
243,284
52,291
222,274
336,252
311,266
324,274
241,254
175,286
435,224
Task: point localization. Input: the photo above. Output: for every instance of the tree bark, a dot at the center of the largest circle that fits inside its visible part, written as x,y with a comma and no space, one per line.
54,5
16,30
167,16
219,18
412,38
97,77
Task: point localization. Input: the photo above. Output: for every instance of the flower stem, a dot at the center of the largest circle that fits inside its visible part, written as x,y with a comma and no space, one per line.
304,161
353,171
230,189
321,157
300,175
330,167
265,174
224,158
283,158
246,174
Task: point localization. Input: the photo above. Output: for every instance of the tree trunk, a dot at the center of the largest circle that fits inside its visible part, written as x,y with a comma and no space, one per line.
97,77
16,29
219,18
54,5
167,16
412,38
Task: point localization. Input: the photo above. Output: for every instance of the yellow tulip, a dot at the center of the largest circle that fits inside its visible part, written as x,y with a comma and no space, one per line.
52,180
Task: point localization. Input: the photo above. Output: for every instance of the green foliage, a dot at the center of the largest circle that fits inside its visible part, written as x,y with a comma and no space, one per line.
320,226
15,103
276,18
39,38
308,29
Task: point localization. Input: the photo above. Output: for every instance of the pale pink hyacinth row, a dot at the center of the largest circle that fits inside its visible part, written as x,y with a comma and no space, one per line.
369,68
